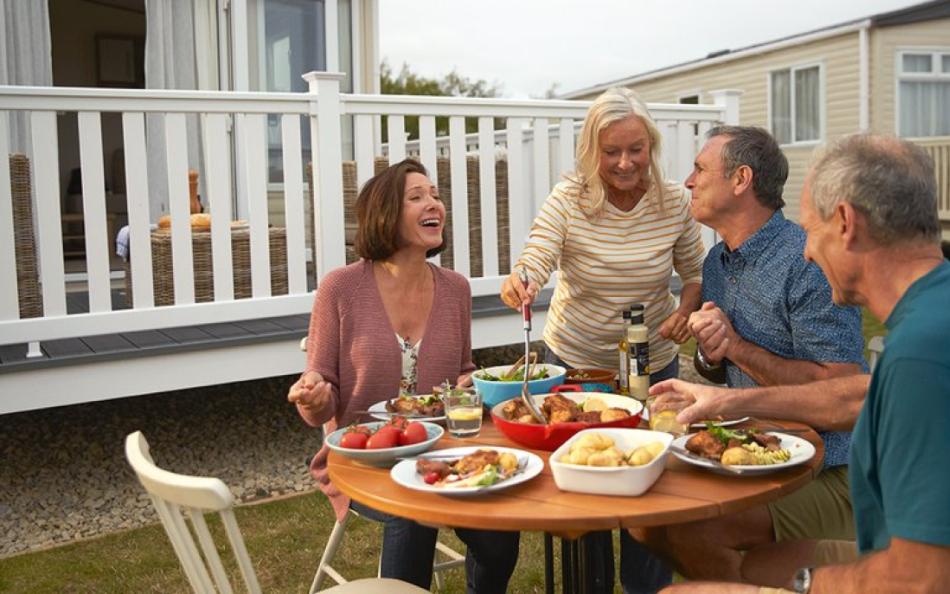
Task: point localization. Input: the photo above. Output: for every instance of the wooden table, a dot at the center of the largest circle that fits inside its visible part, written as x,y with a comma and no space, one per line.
683,493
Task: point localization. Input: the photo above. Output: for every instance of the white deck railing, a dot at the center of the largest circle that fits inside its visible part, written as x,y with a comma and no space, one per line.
538,141
938,147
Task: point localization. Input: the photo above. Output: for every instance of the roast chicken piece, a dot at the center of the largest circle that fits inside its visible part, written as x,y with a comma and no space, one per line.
706,445
559,409
476,461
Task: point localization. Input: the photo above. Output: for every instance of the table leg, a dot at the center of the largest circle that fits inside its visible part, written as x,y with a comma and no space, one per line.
548,564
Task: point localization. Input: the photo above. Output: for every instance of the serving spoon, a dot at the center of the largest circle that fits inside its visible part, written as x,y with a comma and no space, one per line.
525,393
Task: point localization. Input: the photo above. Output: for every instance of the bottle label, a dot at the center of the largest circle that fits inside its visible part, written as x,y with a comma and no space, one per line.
622,376
639,358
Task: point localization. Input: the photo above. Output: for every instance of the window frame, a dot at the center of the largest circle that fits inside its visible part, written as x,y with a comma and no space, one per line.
822,103
688,95
935,75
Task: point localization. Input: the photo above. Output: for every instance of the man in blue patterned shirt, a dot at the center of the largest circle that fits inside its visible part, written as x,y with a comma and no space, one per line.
767,319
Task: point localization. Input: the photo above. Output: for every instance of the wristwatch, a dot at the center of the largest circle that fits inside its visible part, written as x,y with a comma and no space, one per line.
704,363
801,583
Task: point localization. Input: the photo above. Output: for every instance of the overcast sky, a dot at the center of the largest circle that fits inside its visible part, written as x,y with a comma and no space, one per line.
525,46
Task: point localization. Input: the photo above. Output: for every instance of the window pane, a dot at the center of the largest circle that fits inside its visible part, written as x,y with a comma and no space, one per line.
781,107
690,100
917,63
925,108
807,105
946,62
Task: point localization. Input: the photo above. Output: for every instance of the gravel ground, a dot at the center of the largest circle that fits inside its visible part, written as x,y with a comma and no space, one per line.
64,477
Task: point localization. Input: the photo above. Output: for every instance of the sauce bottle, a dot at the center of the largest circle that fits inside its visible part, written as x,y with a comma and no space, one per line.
638,339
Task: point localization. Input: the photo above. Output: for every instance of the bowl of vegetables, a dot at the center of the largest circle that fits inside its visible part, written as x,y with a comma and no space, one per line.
496,384
381,443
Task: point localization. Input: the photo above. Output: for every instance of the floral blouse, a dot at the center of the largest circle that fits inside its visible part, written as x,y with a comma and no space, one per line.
410,356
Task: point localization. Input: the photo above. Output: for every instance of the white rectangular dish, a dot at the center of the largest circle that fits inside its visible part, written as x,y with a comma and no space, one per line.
612,480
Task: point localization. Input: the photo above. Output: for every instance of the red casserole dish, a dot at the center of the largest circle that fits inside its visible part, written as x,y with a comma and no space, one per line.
550,437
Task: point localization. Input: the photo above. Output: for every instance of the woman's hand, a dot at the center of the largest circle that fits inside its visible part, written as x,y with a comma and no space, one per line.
311,391
464,381
515,294
675,327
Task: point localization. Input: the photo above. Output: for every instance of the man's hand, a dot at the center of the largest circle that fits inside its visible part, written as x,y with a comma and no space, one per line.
464,381
675,327
710,588
695,402
713,332
311,391
515,294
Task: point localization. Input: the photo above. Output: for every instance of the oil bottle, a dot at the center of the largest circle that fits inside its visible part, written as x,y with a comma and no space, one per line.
623,352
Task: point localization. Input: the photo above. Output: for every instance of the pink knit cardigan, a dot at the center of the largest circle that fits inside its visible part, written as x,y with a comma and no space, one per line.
353,346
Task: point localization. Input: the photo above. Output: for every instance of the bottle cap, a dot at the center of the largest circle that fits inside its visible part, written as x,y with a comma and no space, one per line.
636,313
626,314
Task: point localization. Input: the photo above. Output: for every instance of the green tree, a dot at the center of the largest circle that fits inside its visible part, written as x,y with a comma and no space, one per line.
453,84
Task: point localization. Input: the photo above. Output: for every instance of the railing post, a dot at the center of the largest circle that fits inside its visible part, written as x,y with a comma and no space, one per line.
327,151
729,99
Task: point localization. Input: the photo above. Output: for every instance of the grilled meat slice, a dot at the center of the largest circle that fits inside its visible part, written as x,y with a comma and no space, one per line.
769,442
705,444
424,467
476,461
593,416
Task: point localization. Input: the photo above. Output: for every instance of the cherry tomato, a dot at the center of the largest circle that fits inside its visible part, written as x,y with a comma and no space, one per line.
413,433
431,478
354,440
383,439
359,429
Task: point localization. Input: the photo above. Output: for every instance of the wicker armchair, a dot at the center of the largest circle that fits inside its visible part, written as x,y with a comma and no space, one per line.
28,286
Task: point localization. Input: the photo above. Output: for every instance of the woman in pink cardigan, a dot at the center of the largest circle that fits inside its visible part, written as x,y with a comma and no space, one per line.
394,322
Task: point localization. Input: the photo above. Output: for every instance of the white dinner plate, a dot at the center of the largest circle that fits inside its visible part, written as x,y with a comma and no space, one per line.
801,451
378,411
405,473
645,415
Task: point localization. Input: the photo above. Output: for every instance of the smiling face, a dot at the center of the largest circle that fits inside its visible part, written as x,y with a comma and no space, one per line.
712,190
625,155
422,218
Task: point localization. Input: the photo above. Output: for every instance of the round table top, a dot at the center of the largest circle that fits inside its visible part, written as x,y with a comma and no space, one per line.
683,493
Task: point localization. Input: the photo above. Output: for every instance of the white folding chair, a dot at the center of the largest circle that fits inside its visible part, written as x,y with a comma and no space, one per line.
177,496
452,557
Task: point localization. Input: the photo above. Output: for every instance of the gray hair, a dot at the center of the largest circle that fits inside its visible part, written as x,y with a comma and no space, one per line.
755,148
890,181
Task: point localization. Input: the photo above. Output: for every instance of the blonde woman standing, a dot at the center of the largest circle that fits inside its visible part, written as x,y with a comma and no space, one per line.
615,230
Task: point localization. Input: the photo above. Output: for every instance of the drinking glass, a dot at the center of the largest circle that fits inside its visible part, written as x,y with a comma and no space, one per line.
663,418
463,413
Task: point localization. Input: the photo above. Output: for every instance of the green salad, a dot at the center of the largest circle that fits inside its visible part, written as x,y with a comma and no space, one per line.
517,376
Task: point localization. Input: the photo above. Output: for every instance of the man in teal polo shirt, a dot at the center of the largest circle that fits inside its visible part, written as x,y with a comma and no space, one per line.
869,209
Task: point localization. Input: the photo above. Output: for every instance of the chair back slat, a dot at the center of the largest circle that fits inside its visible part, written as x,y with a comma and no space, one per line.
240,551
183,544
210,552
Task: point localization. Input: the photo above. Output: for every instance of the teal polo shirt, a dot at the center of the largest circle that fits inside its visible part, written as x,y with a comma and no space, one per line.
900,449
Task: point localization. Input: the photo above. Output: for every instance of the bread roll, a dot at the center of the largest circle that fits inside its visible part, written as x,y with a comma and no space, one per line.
201,221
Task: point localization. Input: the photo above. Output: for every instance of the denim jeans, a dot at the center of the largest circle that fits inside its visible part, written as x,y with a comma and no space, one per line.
641,572
409,549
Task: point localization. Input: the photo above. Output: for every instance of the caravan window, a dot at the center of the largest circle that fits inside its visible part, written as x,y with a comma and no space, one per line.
795,104
923,92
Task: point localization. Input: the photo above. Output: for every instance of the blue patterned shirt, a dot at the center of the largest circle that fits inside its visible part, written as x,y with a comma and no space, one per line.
780,302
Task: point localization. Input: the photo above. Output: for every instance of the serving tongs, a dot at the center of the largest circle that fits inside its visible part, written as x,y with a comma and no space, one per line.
525,394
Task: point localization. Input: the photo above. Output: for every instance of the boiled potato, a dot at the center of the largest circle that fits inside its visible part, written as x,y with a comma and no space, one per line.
641,456
608,457
655,448
738,456
593,404
594,441
508,461
580,456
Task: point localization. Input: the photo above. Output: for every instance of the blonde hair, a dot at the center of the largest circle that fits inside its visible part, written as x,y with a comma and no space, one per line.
613,105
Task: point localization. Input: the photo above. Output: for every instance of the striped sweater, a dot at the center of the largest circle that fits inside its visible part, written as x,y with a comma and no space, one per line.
607,263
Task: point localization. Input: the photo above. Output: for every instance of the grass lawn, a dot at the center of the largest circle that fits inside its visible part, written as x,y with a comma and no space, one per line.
284,538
